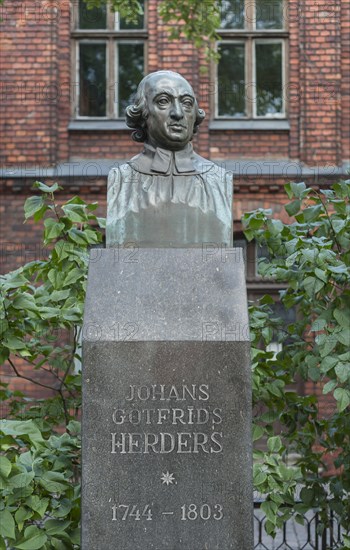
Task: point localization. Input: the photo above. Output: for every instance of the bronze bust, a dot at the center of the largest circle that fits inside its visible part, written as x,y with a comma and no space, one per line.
167,196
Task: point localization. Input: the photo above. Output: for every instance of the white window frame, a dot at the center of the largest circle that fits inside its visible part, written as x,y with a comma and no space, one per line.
255,41
111,36
116,63
77,115
250,35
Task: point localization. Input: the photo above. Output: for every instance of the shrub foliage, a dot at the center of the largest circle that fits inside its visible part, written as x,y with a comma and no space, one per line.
311,257
41,319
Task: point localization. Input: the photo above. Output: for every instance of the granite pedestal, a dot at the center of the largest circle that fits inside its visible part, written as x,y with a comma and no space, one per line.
166,402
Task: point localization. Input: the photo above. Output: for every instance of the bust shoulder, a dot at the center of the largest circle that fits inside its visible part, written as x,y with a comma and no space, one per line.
117,174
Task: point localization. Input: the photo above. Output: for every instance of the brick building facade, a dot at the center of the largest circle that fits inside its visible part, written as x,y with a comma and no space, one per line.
47,132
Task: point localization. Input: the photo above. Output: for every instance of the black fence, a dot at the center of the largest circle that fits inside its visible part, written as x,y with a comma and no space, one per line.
294,536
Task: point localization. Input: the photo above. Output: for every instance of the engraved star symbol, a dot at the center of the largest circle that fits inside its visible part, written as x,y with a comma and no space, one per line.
168,478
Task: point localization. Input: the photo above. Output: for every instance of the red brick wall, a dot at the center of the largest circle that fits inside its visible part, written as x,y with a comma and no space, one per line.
225,144
37,88
114,144
345,79
320,79
29,82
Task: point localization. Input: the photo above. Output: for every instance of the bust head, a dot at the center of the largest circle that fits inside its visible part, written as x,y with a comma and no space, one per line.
166,112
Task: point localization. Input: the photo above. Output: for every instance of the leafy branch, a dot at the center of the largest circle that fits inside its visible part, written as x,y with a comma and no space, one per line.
311,256
195,20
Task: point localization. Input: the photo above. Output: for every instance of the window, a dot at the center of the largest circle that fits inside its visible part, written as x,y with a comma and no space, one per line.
109,61
258,286
251,74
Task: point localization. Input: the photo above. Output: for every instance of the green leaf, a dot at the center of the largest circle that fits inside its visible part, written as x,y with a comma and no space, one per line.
311,214
21,480
15,279
258,432
7,524
25,301
58,295
344,336
269,416
328,344
259,478
64,508
46,188
321,274
54,482
293,207
343,372
5,466
33,539
270,510
32,205
53,229
329,386
298,189
12,342
339,269
328,363
78,236
38,504
56,526
21,515
101,222
307,496
314,374
73,276
338,225
58,544
274,444
75,212
343,317
342,397
74,427
56,278
312,285
22,427
75,536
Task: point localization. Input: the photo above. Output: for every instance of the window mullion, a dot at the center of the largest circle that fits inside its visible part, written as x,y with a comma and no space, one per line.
250,78
249,15
110,18
285,78
74,58
110,78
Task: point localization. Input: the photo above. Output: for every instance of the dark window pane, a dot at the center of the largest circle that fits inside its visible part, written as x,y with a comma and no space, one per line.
268,79
269,14
131,71
92,19
232,14
92,83
139,24
231,81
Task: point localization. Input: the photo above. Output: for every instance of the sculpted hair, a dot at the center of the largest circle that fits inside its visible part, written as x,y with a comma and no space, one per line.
136,115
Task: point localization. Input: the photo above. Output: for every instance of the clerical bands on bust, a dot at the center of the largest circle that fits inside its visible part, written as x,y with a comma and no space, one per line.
167,196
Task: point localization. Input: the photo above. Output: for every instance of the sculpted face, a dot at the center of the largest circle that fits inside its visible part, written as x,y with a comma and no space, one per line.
171,111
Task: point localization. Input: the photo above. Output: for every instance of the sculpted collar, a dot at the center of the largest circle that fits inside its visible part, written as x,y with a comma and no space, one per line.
164,162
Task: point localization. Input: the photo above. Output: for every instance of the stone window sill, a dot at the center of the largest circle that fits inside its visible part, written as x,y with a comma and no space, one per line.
235,124
93,125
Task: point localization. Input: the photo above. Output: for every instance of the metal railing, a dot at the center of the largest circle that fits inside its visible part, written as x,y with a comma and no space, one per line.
294,536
